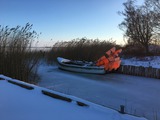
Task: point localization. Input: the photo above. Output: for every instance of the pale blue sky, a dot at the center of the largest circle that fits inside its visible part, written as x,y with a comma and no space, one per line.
65,19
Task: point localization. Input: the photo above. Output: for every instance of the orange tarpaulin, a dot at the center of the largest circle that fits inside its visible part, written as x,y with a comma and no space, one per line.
111,60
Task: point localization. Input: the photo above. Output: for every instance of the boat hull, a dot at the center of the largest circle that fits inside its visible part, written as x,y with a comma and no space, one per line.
62,64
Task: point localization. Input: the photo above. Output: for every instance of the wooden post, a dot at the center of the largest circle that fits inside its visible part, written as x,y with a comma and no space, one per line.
122,109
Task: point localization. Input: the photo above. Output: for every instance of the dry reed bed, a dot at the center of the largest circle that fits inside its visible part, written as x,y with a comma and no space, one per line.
17,60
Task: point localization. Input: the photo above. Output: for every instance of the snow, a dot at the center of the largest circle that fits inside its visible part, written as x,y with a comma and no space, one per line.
62,59
143,61
17,103
138,94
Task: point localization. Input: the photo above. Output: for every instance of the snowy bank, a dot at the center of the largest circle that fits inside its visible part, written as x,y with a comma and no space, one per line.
18,103
144,66
153,61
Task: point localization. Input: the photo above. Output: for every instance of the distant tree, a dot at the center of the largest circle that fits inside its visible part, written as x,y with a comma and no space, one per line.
154,6
137,24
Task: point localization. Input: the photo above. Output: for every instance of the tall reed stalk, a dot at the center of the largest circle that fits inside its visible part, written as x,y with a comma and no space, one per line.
16,57
80,49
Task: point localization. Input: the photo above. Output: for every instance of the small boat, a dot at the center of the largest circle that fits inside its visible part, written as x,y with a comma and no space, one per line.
107,63
80,66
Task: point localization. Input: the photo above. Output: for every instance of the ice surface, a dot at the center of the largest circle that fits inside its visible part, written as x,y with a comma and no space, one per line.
140,95
17,103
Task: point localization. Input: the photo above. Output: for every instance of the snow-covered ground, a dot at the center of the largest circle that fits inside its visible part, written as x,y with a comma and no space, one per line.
140,95
153,61
18,103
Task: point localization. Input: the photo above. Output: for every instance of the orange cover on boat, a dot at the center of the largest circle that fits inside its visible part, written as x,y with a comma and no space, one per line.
111,60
